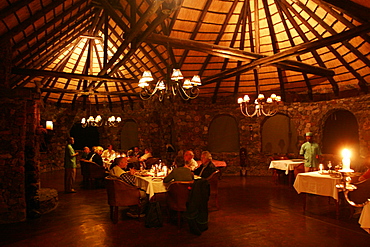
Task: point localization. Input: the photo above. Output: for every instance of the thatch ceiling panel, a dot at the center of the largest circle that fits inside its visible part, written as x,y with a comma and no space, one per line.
44,35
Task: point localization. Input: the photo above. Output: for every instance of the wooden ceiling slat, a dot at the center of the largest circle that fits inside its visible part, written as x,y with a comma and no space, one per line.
59,40
51,23
11,9
39,14
46,73
134,31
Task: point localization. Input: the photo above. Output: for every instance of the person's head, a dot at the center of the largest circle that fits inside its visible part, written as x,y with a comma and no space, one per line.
99,150
130,153
206,157
309,136
179,161
86,150
110,147
148,150
71,140
136,149
122,162
188,155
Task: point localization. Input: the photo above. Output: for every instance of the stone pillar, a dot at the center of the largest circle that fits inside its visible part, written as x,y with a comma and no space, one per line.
12,176
32,153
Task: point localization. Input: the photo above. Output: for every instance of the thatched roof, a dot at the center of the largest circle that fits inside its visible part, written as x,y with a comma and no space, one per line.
302,50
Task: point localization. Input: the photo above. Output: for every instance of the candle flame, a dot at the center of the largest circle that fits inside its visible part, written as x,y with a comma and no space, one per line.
346,153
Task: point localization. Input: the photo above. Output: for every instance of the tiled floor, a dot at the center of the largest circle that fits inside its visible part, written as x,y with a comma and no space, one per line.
253,212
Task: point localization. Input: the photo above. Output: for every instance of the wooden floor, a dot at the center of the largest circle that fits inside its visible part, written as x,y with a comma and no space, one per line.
253,212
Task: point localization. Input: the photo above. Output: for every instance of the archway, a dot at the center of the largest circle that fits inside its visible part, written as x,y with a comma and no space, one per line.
279,135
129,135
340,131
223,134
88,136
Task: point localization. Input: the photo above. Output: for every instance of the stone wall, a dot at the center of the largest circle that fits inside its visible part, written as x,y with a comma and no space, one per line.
12,159
189,122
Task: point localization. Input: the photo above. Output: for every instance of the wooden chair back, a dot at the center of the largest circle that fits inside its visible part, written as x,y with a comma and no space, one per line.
213,183
120,193
178,194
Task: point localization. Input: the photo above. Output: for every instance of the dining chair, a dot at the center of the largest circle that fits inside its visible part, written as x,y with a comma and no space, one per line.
213,182
177,198
94,173
151,161
121,194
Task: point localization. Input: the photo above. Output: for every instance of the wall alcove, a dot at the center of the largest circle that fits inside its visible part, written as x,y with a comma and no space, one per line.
279,135
340,131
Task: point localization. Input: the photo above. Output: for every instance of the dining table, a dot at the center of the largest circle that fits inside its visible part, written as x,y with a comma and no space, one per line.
150,184
364,219
318,183
285,165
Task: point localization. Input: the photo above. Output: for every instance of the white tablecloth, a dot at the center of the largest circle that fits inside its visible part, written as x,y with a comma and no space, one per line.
285,165
365,218
316,183
150,185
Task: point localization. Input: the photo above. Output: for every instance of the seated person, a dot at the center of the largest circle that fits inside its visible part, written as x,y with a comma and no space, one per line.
366,175
189,160
108,154
137,152
179,173
96,157
147,154
117,170
207,167
132,161
86,151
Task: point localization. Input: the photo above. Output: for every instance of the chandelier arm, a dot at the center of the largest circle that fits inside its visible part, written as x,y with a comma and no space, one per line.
270,112
246,112
175,88
194,92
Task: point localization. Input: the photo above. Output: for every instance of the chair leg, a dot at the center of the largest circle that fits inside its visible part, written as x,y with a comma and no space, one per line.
115,215
111,212
178,221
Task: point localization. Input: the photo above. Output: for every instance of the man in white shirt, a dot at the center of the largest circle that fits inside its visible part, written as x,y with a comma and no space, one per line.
189,160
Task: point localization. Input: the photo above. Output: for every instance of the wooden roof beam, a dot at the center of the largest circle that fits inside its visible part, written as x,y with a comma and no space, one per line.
236,54
47,73
297,50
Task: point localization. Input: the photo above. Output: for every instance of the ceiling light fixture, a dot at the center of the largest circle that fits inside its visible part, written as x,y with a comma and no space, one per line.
187,89
261,107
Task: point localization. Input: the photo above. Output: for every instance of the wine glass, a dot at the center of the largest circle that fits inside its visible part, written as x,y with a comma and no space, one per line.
329,166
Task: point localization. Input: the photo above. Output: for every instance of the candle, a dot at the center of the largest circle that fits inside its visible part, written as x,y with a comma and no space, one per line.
346,161
49,125
321,167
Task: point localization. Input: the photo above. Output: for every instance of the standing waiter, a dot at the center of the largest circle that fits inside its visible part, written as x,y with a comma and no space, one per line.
70,166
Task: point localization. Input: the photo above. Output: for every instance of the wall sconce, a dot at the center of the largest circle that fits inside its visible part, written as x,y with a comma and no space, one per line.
49,125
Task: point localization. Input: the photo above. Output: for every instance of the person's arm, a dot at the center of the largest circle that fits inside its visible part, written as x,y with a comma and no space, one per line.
168,178
128,178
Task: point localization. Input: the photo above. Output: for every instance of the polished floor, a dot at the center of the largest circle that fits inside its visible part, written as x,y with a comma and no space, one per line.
253,212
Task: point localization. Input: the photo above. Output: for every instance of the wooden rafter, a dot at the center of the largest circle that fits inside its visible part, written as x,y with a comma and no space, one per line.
235,54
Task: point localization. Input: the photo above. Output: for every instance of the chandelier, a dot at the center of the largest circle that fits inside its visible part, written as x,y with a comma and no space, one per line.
98,121
187,89
261,107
